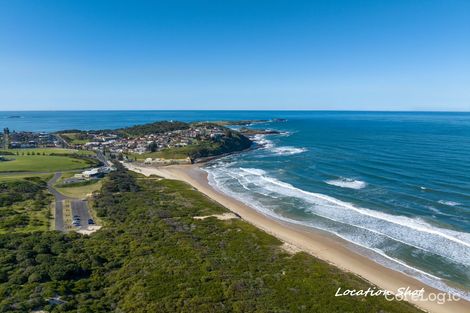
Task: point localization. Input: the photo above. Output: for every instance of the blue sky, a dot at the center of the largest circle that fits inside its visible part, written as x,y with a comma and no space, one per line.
353,55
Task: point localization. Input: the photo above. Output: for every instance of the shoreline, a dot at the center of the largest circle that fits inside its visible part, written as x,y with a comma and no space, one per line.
317,243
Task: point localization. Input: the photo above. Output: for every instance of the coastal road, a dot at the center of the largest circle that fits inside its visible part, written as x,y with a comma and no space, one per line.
59,202
66,144
102,158
79,207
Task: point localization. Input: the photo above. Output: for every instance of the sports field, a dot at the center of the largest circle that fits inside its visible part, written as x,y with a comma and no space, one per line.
47,151
42,160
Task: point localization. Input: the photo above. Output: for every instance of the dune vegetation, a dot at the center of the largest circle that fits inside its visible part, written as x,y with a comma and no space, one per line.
154,256
24,204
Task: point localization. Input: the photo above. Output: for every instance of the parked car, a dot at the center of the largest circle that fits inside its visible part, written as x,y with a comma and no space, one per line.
90,221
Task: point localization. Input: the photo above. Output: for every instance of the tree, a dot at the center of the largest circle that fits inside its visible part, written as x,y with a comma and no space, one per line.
153,146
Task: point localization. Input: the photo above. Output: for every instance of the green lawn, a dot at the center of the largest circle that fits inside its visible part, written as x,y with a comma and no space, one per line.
48,151
41,163
80,192
75,138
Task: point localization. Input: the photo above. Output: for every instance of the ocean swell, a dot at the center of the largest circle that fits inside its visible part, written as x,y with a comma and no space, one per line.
449,203
374,230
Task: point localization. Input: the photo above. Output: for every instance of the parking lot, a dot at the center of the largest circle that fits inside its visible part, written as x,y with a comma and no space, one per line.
80,210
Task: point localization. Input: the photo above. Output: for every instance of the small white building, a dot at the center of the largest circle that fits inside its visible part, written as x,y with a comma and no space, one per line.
88,173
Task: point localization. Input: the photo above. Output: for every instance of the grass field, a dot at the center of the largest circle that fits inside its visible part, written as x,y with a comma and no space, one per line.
80,192
43,160
75,138
48,151
41,163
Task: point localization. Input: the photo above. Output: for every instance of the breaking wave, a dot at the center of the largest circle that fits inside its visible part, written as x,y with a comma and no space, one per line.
287,150
267,144
374,230
347,183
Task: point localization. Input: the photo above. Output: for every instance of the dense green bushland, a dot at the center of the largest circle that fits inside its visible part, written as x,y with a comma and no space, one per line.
153,128
154,257
21,190
24,204
132,131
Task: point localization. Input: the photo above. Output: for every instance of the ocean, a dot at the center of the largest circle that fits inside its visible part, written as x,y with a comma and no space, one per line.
395,185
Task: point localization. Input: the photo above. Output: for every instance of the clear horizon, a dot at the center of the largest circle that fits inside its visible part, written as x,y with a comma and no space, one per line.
235,55
245,110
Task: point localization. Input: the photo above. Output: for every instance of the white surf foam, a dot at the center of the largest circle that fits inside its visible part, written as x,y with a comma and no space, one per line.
263,141
369,241
365,227
347,183
449,203
415,232
270,146
287,150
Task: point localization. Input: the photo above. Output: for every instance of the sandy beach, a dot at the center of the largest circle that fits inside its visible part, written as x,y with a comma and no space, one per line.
321,245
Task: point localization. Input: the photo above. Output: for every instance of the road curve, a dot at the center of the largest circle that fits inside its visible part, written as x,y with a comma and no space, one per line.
79,207
59,204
